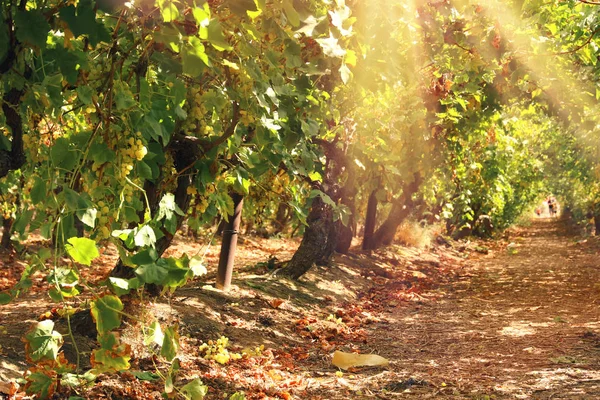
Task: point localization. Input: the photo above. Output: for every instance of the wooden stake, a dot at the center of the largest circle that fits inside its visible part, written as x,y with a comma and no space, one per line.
229,244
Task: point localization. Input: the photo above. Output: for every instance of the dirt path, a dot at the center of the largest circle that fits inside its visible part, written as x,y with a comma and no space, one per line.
521,325
520,322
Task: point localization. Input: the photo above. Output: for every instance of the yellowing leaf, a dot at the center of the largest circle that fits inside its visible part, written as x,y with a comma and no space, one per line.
170,344
40,384
82,250
42,342
291,13
350,58
348,360
195,390
168,10
112,356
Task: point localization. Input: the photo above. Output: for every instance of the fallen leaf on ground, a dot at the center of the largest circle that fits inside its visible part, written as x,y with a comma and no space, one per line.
275,303
8,388
348,360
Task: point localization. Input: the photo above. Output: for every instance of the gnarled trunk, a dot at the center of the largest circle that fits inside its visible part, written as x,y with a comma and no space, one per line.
321,235
401,209
282,216
184,157
7,224
370,221
317,243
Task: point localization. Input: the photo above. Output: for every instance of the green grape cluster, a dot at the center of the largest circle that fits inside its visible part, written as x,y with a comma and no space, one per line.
200,201
217,351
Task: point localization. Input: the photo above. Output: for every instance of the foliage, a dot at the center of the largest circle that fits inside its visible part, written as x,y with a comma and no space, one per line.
120,124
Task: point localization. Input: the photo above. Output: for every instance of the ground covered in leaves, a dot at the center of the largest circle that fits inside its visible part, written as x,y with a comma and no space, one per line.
511,318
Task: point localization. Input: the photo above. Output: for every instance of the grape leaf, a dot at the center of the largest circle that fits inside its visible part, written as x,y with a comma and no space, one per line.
38,190
40,384
195,390
154,334
170,344
89,217
291,13
5,298
42,342
145,236
216,37
112,355
145,375
32,27
82,250
168,10
106,313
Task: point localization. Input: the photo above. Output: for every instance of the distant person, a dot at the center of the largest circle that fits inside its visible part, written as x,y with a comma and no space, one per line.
552,206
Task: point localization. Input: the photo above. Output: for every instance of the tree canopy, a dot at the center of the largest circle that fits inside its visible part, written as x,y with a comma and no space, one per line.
122,122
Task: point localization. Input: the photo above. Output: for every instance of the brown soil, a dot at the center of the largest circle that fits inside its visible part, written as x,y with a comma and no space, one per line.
519,322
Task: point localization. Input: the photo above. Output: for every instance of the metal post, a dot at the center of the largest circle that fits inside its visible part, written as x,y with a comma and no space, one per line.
229,243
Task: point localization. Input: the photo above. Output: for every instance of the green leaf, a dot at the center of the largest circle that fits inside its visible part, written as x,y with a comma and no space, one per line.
145,375
241,7
69,62
216,37
100,153
42,385
64,283
42,342
177,271
124,100
170,344
194,57
84,93
5,298
59,151
238,396
195,390
32,27
72,199
152,273
345,74
106,313
350,58
112,356
331,47
309,127
146,256
23,219
120,286
38,190
168,10
143,170
82,250
82,21
291,13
